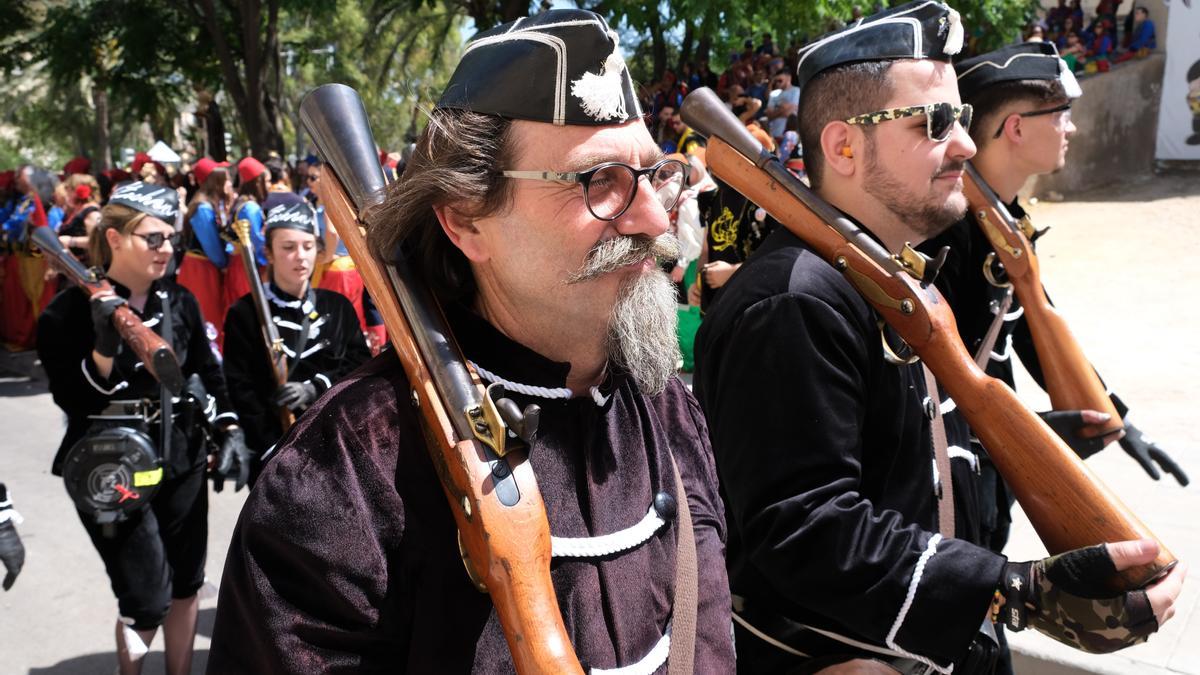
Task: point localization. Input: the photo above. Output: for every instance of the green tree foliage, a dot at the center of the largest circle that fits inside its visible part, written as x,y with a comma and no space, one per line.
80,71
121,56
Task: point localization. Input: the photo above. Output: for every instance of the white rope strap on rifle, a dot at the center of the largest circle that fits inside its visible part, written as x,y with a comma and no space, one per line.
607,544
557,393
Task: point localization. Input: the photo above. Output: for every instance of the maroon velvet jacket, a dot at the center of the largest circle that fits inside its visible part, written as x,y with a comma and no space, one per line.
345,556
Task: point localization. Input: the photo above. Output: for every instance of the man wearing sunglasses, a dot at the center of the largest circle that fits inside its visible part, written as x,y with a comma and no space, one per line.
854,533
535,207
1022,96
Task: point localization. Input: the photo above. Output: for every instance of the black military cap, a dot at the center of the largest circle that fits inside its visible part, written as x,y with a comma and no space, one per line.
158,201
1024,61
563,66
924,29
293,217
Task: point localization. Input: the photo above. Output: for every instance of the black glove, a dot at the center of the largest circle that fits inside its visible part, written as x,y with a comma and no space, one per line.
1065,597
295,395
1139,446
1067,423
12,552
1144,450
233,461
108,340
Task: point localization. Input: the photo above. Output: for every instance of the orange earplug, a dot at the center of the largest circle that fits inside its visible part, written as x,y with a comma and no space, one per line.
847,152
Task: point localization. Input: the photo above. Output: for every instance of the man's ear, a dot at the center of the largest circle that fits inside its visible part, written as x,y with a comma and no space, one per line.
463,233
1012,129
841,145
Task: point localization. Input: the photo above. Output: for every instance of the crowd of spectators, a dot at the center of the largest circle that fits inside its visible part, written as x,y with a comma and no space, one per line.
1092,44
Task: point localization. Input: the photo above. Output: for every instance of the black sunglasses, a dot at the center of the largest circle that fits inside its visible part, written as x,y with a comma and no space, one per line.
1066,107
155,240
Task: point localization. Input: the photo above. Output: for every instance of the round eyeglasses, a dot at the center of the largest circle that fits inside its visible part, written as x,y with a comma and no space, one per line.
609,188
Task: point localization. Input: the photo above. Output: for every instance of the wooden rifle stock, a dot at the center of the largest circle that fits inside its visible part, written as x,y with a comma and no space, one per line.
1068,506
270,334
503,530
154,352
1070,379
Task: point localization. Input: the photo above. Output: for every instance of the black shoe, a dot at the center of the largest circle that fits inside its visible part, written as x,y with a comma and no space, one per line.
1194,139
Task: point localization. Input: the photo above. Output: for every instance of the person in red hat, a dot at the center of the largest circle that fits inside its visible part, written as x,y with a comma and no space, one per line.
248,206
81,165
83,209
205,256
147,169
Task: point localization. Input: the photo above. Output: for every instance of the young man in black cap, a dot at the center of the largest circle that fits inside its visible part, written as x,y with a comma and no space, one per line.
1022,96
320,332
534,205
846,544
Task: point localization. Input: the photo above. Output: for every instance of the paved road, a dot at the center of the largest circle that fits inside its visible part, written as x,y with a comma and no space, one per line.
58,618
1119,265
1141,336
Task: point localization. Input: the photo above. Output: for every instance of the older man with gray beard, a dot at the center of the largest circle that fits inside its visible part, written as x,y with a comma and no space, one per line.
535,206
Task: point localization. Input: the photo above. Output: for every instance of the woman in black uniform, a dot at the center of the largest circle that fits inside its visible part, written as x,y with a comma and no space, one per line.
319,328
154,555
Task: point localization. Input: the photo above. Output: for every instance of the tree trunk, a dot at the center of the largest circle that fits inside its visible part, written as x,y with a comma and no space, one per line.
251,97
658,46
685,47
103,151
704,47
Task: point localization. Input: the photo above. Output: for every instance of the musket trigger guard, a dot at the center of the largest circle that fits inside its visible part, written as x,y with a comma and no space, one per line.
472,572
890,355
990,275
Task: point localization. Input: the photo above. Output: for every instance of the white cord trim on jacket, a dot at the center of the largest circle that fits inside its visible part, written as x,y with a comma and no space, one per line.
918,571
651,662
107,392
956,452
607,544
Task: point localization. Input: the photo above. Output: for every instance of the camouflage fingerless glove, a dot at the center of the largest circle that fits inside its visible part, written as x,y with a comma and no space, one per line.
1065,597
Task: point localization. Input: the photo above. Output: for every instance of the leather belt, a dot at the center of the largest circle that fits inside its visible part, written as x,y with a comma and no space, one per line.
143,410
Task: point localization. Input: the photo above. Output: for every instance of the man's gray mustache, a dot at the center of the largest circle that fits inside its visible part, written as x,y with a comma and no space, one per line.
613,254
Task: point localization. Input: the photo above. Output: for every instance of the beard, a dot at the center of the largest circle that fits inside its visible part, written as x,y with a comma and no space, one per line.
641,336
928,215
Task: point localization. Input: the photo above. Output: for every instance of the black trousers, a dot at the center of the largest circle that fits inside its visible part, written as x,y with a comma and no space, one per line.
157,554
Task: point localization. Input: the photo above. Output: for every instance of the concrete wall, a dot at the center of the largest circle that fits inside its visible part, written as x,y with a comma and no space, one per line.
1117,119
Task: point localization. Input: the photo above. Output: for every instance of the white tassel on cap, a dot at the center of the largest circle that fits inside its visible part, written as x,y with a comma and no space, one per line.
954,38
1070,85
603,96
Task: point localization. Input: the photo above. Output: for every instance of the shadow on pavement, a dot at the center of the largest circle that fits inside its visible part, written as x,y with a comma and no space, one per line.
204,623
91,664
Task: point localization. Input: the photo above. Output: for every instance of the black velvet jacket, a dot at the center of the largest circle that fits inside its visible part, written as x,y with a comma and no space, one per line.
825,459
65,339
333,348
345,557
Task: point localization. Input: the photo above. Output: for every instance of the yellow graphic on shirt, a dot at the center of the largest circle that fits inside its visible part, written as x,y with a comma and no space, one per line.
723,230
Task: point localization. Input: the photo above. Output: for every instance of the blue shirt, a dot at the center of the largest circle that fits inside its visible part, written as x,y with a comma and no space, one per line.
207,234
252,212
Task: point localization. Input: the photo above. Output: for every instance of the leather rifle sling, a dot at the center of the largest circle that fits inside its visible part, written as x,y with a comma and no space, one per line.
682,653
941,455
166,409
984,354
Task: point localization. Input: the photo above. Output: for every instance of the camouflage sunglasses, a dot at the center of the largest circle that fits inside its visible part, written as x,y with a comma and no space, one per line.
939,118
